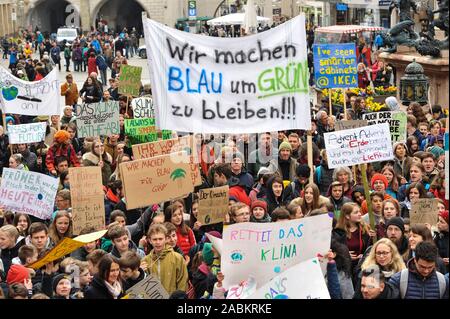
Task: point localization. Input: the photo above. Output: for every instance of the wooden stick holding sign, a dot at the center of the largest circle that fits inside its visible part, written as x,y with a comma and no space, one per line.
363,168
345,104
310,156
330,104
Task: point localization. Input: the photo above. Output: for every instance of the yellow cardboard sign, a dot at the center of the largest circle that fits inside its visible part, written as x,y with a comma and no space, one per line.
65,247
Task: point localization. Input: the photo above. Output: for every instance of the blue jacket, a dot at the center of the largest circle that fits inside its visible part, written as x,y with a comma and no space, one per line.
420,287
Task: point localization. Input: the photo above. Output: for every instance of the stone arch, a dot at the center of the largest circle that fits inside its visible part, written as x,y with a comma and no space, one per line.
130,15
48,15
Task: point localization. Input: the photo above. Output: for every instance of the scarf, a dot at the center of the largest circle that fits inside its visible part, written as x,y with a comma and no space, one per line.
114,289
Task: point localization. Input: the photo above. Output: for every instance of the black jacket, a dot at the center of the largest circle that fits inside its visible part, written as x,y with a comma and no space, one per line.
130,282
203,280
98,290
389,292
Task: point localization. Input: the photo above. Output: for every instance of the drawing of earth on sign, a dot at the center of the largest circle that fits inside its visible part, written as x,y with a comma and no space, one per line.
10,92
236,257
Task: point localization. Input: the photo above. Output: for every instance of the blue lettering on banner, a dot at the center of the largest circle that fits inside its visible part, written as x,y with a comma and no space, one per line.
206,83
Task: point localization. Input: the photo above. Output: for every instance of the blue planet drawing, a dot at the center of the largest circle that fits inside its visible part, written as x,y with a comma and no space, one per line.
10,93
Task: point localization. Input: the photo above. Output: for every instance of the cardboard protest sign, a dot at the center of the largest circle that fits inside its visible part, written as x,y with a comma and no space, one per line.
242,291
229,85
348,125
335,65
28,192
140,130
143,108
213,205
171,146
130,80
148,288
26,133
88,203
424,210
396,120
153,180
358,146
66,246
30,98
97,119
264,250
302,281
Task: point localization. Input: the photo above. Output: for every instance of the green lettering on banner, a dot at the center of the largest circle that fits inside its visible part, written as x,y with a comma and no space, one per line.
140,131
130,80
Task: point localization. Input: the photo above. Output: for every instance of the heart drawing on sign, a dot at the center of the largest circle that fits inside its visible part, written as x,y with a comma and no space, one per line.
10,93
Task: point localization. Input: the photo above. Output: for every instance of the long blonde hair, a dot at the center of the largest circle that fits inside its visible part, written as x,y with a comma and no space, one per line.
397,264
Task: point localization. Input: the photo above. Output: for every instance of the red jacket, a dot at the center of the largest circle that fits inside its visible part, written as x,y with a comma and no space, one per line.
92,65
185,242
61,150
239,193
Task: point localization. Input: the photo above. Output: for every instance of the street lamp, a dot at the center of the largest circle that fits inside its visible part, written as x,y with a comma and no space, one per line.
414,85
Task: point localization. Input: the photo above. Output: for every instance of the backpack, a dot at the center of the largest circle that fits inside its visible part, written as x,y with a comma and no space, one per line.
404,283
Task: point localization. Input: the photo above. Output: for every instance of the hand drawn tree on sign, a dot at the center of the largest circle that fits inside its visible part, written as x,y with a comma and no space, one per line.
178,175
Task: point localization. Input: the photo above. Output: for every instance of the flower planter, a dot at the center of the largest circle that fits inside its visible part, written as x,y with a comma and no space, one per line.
382,98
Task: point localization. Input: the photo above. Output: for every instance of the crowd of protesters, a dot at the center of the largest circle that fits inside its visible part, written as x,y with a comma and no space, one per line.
270,184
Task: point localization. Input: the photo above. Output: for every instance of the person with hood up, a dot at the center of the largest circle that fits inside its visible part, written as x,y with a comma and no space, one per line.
358,195
61,147
164,263
284,165
203,279
336,196
259,212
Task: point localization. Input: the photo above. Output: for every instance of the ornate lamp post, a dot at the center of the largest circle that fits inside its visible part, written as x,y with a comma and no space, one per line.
414,85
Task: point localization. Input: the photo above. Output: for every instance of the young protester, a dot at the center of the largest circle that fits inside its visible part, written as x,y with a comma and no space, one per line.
186,238
259,212
22,222
61,227
130,270
107,282
311,199
98,157
168,266
61,147
375,286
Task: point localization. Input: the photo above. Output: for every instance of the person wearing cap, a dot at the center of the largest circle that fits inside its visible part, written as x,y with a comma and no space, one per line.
69,90
259,212
285,166
238,170
441,237
61,147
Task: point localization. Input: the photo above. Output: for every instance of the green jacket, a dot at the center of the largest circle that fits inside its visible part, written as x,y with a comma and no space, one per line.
169,268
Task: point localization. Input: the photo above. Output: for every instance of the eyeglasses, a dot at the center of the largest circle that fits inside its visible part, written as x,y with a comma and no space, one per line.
382,253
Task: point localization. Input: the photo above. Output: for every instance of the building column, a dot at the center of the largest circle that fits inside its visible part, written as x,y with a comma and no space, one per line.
85,16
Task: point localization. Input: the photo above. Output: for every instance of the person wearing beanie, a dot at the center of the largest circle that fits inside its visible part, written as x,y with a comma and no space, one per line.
379,184
285,166
294,189
17,274
395,232
203,279
441,237
436,151
238,170
57,286
61,147
9,120
259,212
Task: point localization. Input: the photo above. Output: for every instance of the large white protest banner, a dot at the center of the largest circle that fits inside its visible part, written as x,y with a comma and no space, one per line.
264,250
26,133
302,281
253,84
30,98
97,119
358,146
28,192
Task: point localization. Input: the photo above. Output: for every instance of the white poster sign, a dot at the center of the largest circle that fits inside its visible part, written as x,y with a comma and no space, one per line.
27,133
252,84
264,251
365,144
28,192
30,98
302,281
143,107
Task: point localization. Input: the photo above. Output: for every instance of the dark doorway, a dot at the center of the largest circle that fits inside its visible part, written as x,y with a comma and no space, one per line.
119,16
49,15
